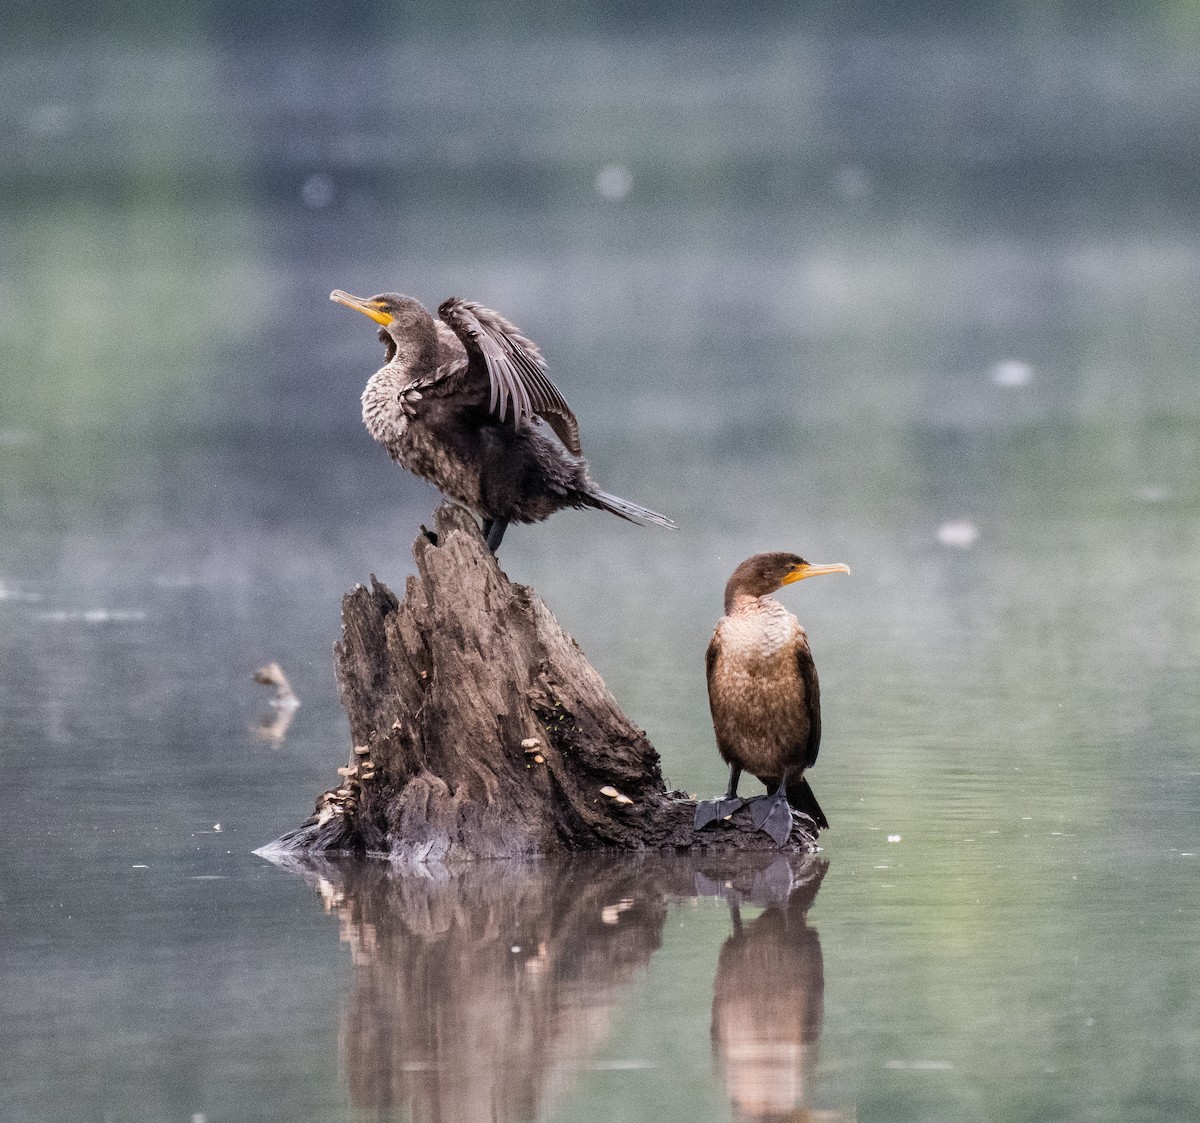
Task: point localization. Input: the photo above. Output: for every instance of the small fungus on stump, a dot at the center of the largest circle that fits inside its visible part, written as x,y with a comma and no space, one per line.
480,729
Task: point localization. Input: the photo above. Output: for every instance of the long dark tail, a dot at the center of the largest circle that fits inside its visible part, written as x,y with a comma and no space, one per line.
622,508
801,797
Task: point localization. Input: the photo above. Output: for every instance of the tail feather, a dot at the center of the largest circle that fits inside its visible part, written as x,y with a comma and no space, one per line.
801,797
622,508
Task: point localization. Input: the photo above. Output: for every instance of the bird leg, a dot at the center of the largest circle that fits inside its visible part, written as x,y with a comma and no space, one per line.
773,813
493,532
711,810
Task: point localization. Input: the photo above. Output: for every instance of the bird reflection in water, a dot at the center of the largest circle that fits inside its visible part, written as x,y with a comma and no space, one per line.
769,994
482,993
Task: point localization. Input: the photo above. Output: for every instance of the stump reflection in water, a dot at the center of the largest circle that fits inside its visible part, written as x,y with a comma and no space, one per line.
479,992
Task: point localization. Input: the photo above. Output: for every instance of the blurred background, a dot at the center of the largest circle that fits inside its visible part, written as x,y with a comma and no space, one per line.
906,287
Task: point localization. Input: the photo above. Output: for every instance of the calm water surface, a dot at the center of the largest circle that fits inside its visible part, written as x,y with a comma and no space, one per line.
919,301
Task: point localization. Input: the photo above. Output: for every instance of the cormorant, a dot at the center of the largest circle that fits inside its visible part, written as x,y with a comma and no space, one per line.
764,695
457,403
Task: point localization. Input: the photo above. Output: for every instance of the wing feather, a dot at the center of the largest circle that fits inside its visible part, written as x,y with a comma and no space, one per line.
514,367
807,670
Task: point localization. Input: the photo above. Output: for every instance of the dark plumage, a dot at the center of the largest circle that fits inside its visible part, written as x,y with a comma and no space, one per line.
457,402
764,695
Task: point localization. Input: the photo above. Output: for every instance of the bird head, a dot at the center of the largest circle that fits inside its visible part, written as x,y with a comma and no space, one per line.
762,574
399,317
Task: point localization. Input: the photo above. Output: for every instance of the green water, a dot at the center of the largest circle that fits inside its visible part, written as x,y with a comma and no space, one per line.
918,296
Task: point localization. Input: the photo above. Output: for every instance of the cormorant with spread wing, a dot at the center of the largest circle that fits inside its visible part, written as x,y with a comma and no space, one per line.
457,402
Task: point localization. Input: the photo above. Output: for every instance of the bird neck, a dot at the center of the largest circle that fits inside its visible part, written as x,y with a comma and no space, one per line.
742,603
416,357
417,351
758,627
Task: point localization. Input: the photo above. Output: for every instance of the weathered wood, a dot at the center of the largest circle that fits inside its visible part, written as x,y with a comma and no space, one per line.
481,730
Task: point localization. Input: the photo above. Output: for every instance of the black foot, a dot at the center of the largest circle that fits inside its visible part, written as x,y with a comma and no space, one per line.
713,810
773,814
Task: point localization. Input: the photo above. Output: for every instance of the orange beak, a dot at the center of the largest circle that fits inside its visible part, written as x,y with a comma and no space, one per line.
359,304
806,570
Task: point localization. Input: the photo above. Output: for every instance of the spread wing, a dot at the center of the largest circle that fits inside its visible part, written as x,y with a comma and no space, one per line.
807,670
450,348
514,367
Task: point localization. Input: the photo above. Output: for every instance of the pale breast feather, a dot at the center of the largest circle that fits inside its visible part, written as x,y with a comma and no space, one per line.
752,676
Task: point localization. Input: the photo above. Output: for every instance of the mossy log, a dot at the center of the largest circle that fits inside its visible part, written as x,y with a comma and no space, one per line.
480,730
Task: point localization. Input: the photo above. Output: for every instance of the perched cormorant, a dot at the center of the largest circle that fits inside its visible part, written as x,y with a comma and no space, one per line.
764,695
457,403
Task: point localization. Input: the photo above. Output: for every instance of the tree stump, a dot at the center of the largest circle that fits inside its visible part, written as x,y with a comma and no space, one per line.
480,730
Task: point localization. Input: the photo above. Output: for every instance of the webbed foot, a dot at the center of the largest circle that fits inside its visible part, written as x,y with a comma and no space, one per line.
709,811
773,814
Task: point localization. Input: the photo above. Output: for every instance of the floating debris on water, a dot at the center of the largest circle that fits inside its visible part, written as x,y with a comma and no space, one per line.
893,838
960,533
7,592
1012,372
614,182
284,703
94,616
272,675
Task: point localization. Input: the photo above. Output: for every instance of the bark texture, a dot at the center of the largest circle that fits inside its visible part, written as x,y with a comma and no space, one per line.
480,730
